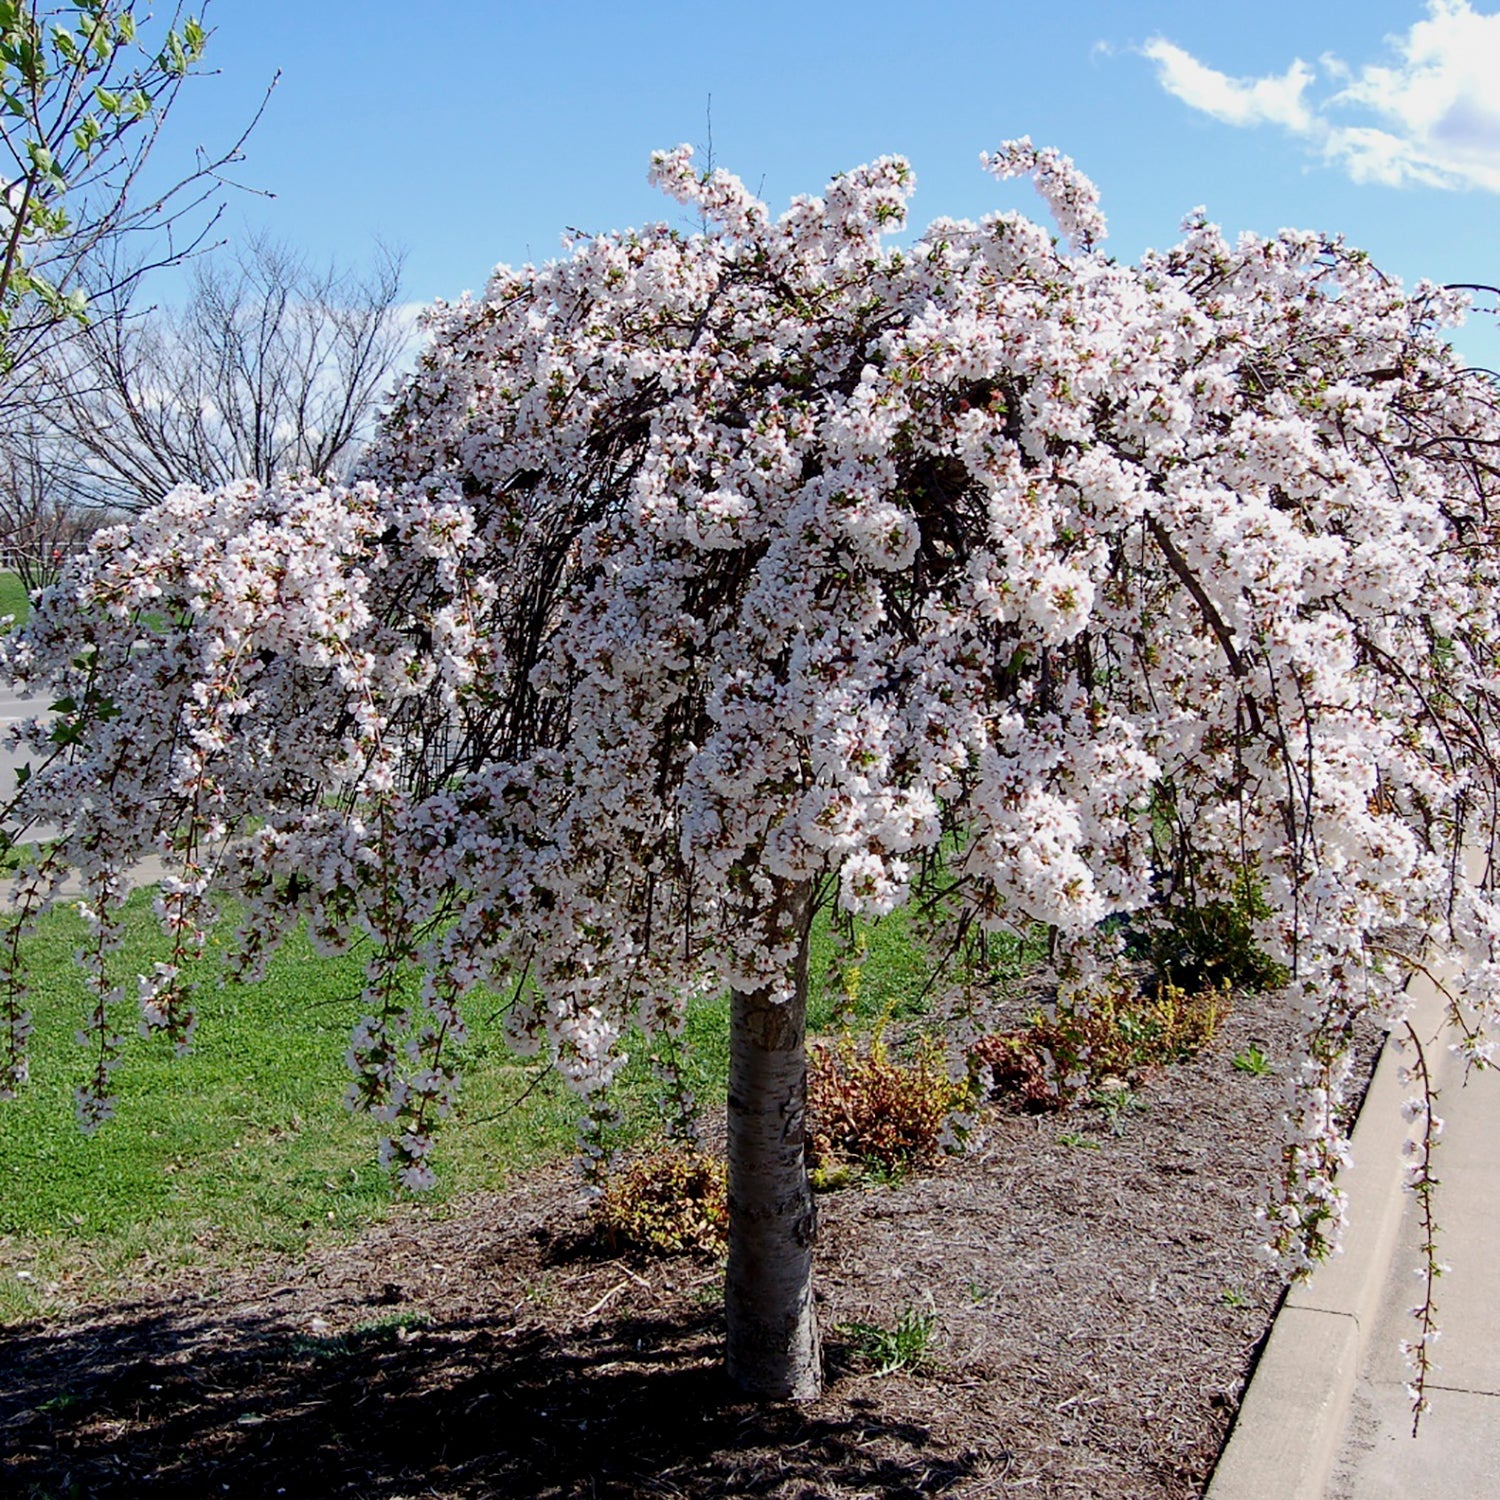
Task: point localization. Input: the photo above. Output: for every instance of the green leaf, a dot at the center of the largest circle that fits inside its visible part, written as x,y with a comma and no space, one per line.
108,102
172,59
29,60
102,42
86,134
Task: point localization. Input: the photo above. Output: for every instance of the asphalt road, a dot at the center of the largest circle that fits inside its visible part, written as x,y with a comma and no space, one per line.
14,709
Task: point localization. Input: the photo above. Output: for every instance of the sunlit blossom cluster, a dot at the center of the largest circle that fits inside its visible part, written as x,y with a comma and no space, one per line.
697,565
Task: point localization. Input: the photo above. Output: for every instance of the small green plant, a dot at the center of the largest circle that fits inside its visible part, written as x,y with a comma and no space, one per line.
1251,1060
539,1292
378,1333
846,972
1118,1100
1234,1296
709,1293
1078,1139
831,1176
904,1346
666,1202
394,1328
14,857
868,1110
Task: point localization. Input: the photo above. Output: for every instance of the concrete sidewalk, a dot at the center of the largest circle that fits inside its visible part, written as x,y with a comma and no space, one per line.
1326,1415
1456,1453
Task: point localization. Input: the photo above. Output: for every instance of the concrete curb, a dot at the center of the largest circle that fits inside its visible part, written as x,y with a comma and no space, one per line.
1291,1423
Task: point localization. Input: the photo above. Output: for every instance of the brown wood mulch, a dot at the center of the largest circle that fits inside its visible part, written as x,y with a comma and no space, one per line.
1096,1295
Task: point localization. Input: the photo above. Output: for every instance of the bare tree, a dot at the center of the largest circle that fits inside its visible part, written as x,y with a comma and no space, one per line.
40,522
272,365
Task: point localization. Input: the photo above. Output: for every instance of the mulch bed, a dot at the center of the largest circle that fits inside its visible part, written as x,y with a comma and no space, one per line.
1098,1307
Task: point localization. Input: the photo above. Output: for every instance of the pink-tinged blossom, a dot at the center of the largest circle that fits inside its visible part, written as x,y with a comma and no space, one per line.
1072,197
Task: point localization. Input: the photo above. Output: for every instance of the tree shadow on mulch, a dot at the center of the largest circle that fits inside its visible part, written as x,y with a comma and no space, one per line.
156,1402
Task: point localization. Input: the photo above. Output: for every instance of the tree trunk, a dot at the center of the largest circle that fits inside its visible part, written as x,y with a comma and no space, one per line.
774,1349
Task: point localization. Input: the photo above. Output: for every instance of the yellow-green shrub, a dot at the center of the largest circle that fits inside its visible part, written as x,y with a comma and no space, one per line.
666,1202
1119,1034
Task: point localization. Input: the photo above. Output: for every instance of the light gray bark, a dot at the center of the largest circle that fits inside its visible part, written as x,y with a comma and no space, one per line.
774,1348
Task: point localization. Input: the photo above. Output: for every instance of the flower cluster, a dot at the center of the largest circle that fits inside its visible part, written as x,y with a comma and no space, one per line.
691,567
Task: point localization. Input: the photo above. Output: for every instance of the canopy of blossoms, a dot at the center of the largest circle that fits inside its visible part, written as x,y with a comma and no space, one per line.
692,564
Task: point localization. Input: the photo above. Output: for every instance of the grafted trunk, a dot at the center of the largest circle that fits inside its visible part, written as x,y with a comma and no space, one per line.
774,1349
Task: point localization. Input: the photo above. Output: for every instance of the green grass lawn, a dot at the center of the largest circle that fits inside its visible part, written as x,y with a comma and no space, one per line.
13,600
244,1146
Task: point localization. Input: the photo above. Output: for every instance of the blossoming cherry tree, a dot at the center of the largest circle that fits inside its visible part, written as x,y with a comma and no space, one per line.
697,580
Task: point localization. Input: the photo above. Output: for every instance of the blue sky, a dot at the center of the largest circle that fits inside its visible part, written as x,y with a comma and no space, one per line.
471,133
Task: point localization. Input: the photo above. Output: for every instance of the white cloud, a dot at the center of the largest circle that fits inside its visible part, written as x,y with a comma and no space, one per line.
1429,116
1236,101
